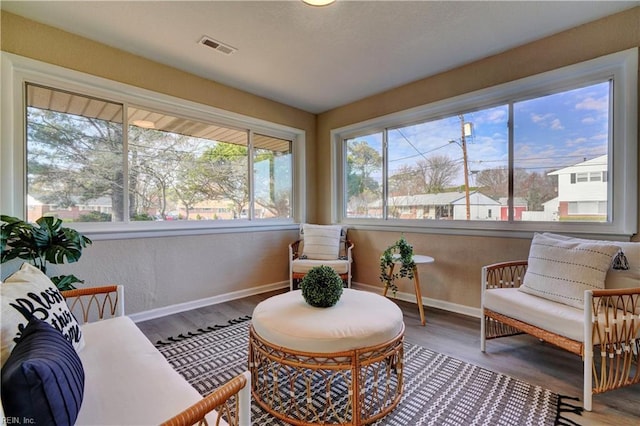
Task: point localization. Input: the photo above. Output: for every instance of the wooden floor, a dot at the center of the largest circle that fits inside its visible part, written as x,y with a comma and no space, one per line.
521,357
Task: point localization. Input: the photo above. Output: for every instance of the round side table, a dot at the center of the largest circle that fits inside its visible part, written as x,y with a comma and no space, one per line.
418,259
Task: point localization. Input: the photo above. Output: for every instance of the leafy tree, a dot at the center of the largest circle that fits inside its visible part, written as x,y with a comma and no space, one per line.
362,161
277,179
73,159
186,189
158,158
221,174
362,189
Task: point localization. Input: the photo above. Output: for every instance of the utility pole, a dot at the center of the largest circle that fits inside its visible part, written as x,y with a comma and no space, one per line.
466,167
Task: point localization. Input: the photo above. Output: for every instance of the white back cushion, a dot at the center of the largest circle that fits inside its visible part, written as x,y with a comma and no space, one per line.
561,270
321,242
616,278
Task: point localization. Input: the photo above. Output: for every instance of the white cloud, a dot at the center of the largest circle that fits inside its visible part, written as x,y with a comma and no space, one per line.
496,116
592,104
600,137
538,118
588,120
547,120
576,141
556,124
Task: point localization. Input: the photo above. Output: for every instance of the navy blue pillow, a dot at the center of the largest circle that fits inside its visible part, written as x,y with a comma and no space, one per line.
43,378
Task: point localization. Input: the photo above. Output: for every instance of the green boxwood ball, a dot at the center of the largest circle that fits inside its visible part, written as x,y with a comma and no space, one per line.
321,287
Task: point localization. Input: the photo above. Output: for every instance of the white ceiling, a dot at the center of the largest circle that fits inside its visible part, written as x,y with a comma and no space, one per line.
315,58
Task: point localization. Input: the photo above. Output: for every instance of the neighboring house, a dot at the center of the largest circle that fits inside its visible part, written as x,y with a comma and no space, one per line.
519,208
37,209
582,190
481,207
548,214
444,205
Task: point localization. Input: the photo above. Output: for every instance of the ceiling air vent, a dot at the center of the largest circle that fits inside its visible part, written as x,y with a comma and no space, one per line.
217,45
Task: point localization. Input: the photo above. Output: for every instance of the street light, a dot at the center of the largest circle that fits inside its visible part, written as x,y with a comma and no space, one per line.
465,130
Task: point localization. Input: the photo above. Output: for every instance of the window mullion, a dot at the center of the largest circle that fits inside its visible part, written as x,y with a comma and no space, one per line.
250,177
385,174
511,172
126,214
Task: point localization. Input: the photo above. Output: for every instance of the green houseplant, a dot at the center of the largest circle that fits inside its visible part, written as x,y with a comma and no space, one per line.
400,251
321,287
45,241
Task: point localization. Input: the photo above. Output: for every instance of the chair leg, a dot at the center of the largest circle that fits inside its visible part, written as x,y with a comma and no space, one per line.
587,379
483,332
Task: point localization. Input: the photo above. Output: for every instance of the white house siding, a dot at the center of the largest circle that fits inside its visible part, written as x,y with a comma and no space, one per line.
481,207
587,195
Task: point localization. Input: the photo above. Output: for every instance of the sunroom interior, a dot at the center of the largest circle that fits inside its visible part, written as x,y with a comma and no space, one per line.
173,266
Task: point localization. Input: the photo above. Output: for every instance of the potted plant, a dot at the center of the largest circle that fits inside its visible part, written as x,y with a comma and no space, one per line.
41,242
400,251
321,287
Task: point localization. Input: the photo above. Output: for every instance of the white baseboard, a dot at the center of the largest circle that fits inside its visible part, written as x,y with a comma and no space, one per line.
186,306
434,303
194,304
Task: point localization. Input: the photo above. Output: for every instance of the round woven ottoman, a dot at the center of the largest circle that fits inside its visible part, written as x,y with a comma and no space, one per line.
338,365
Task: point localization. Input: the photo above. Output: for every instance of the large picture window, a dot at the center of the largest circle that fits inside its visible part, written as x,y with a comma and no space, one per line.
93,160
539,152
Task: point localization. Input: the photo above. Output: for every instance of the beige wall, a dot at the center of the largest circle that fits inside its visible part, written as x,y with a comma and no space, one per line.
455,277
159,272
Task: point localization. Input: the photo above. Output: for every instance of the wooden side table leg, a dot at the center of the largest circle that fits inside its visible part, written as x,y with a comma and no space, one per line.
384,293
416,280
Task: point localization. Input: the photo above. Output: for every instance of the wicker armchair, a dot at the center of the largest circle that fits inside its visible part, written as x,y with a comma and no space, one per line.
298,267
223,406
610,347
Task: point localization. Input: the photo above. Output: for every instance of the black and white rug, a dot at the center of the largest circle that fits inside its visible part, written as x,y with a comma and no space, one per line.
438,389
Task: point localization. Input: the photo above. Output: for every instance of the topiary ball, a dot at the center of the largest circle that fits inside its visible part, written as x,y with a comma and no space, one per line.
321,287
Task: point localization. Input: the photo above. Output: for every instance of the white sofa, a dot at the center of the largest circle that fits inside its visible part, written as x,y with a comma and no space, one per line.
605,331
129,382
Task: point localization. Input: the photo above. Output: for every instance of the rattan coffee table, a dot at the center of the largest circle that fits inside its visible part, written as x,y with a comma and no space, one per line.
340,365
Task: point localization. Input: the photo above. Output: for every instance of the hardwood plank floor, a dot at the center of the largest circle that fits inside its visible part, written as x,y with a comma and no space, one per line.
521,357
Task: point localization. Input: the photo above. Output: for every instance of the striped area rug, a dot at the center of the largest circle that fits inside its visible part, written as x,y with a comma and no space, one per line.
438,391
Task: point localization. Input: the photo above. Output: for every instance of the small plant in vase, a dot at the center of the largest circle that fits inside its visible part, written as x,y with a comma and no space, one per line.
321,287
45,241
399,252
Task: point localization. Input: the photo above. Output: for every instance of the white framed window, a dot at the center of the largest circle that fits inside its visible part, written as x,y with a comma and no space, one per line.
506,158
116,160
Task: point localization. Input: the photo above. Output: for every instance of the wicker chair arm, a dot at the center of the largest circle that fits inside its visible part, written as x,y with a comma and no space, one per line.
614,322
349,245
504,274
294,249
220,399
95,303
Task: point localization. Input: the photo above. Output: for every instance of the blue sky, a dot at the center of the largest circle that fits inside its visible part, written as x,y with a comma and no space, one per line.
550,132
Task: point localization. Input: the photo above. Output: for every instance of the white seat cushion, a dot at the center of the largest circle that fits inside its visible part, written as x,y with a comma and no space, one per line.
127,381
360,319
304,265
554,317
